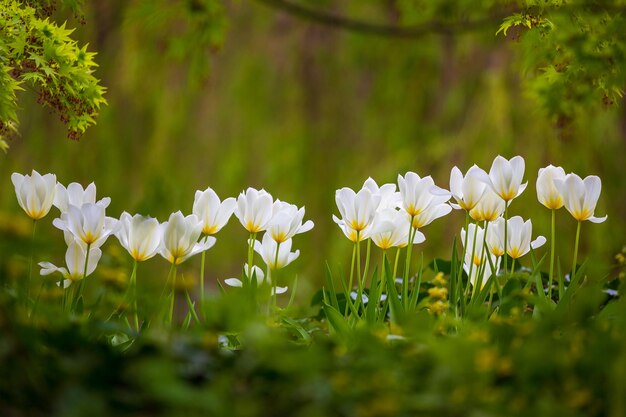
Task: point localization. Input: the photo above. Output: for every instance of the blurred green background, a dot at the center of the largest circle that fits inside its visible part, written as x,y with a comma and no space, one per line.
241,94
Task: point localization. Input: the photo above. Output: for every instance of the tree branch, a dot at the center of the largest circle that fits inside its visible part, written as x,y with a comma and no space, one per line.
334,21
345,23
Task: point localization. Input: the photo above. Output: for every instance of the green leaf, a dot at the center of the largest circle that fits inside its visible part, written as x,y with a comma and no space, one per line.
337,321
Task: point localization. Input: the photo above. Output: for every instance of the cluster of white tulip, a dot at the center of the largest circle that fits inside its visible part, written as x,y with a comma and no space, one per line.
86,228
393,218
259,212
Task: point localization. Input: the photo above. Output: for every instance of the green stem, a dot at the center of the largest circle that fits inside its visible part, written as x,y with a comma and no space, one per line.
493,267
173,294
513,266
86,262
409,252
202,282
491,291
575,251
460,274
30,263
471,268
133,283
274,280
81,287
358,270
169,276
367,260
506,231
552,246
65,292
250,255
351,276
395,264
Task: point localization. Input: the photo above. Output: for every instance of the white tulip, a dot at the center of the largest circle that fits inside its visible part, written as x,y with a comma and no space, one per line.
287,222
213,213
393,230
139,235
75,195
389,197
489,208
467,190
495,237
267,249
484,269
430,213
180,236
35,193
547,193
357,212
519,237
254,209
419,194
478,263
505,177
581,196
75,260
87,224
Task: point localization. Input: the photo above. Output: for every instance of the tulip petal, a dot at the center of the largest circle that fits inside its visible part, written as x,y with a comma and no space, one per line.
594,219
233,282
537,243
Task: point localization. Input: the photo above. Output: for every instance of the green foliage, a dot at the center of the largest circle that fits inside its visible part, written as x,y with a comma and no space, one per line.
563,364
573,53
36,51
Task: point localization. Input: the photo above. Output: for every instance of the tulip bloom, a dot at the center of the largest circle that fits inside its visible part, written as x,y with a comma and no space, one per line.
75,257
287,222
75,195
139,235
419,193
431,213
495,237
180,238
547,193
254,209
274,255
213,213
392,230
518,239
357,211
467,190
581,196
489,208
389,197
482,271
551,197
505,177
476,264
35,193
87,224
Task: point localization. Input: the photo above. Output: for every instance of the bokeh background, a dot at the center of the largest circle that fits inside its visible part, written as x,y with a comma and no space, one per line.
248,95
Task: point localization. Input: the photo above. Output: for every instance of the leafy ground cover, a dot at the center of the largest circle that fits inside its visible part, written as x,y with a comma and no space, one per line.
570,362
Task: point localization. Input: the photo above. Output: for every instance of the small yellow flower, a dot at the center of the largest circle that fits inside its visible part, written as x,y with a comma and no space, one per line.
438,293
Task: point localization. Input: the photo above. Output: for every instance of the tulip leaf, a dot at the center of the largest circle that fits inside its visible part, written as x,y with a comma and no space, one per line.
395,305
330,286
337,321
292,324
